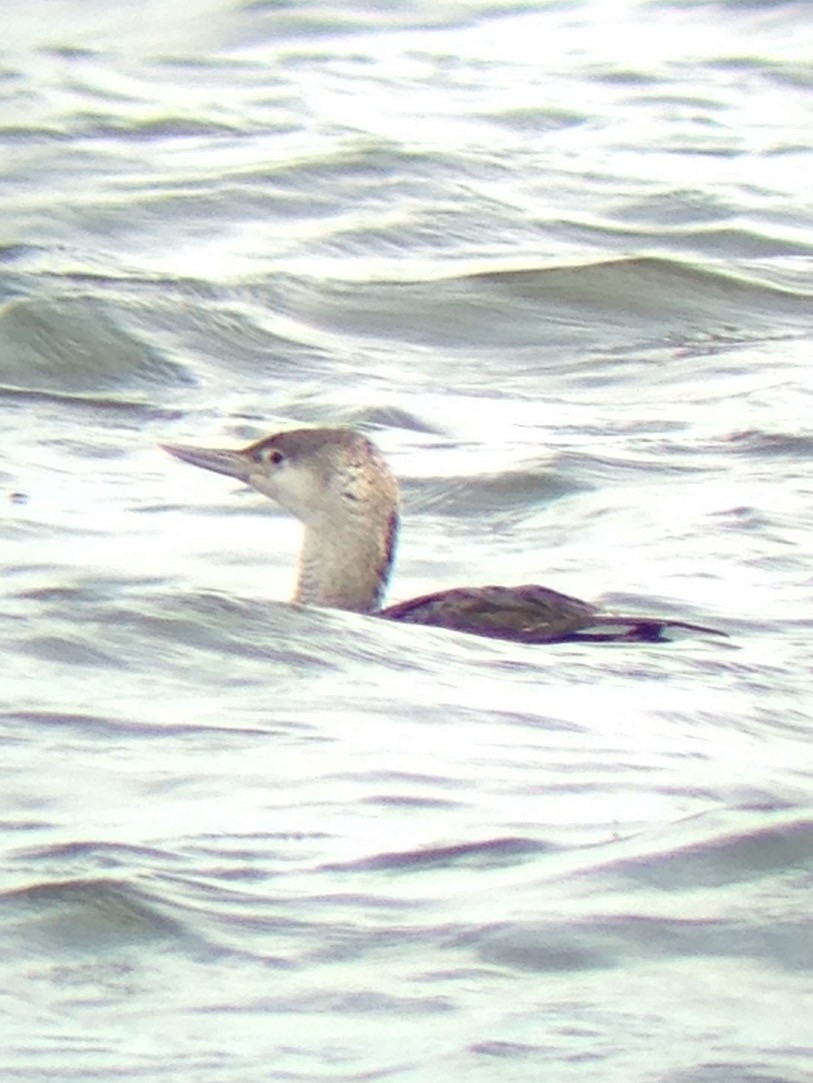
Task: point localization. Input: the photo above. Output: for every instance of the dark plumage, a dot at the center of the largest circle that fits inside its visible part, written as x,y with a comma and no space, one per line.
531,614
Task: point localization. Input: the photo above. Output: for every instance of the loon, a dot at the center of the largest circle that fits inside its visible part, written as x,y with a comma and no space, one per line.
336,482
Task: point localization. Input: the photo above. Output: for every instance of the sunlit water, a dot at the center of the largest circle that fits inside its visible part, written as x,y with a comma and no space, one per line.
556,260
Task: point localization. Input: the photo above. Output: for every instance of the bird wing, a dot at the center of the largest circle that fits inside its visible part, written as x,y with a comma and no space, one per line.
533,614
527,614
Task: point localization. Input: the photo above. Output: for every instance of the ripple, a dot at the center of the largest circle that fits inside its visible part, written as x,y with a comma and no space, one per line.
75,346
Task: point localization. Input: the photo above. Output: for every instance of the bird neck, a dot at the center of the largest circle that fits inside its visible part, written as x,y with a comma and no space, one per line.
347,565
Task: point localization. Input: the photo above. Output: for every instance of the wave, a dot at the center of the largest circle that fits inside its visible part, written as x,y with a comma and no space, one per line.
76,346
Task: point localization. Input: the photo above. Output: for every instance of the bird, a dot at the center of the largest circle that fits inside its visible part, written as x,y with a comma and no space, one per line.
338,484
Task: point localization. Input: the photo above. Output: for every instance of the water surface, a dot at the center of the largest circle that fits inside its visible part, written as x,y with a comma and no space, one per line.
556,260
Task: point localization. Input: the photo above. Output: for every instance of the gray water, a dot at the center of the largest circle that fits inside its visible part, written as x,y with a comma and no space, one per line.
557,260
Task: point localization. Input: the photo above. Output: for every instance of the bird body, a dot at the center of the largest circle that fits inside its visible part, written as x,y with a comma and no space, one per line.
337,483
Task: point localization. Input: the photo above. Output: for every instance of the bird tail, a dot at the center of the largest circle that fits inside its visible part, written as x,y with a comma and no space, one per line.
606,628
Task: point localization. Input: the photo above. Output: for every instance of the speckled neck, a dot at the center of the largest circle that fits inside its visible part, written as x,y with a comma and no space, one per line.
347,565
348,548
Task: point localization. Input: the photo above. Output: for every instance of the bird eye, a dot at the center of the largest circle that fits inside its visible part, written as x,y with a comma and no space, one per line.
275,456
